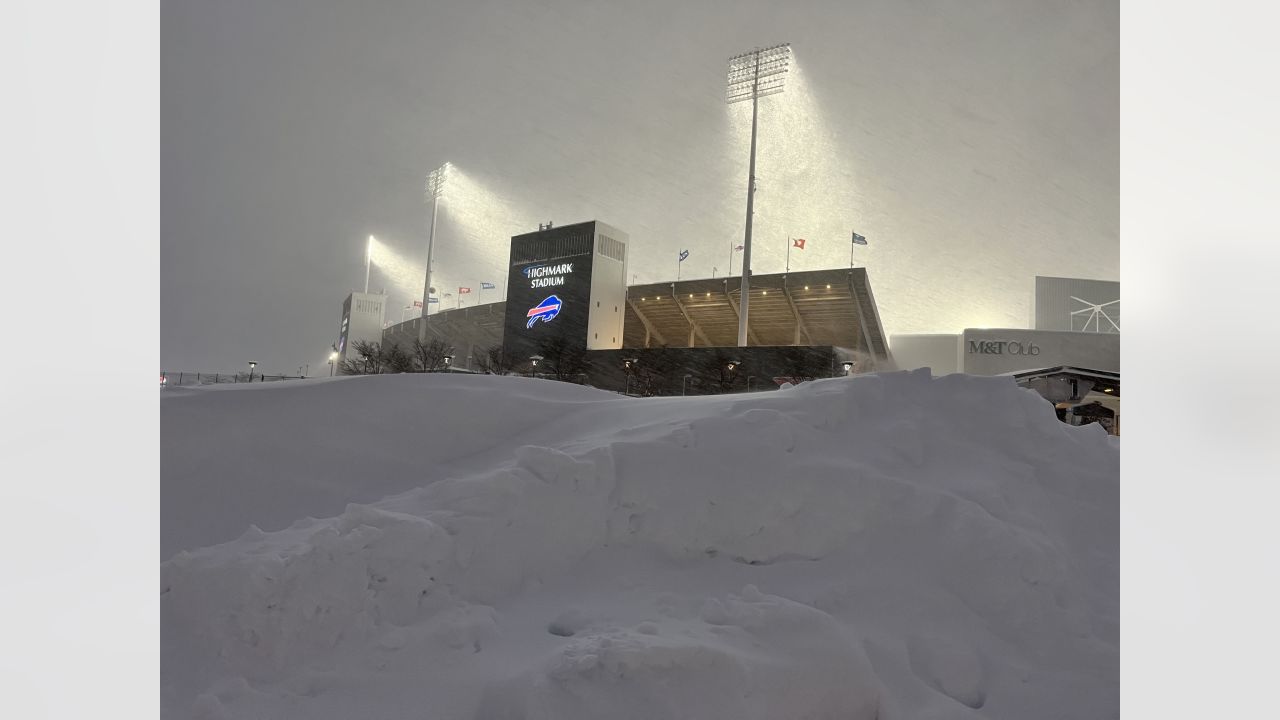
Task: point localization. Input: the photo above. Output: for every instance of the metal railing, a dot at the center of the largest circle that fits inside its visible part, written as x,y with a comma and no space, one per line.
187,379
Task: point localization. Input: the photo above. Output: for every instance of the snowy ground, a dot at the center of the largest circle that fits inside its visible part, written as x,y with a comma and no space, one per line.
881,547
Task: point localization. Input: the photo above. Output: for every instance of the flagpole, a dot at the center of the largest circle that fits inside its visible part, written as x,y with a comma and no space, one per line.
788,254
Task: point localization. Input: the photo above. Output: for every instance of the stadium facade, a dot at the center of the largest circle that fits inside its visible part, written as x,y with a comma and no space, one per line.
570,314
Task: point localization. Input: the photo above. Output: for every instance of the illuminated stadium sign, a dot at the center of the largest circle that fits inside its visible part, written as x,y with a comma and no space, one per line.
547,275
546,311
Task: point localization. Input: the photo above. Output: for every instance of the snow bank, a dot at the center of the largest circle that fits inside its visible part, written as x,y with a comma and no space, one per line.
871,547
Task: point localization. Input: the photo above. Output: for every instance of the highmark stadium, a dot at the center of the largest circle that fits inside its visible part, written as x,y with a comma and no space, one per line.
570,315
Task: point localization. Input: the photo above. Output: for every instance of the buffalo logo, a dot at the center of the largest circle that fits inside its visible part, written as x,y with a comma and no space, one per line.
545,311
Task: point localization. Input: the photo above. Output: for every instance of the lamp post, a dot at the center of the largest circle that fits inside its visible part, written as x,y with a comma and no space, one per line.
848,367
684,385
435,188
753,75
252,364
628,366
333,357
448,363
733,369
749,379
533,360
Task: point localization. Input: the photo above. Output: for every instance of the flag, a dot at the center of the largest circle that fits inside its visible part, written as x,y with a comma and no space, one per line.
417,303
798,242
859,240
683,255
487,286
463,291
739,248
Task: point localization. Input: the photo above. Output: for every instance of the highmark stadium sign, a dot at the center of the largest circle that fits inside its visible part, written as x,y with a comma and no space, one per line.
541,276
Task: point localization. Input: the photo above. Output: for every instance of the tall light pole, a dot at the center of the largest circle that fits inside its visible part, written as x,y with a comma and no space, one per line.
368,260
435,188
753,75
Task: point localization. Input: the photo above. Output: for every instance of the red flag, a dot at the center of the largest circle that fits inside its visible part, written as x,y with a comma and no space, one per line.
798,242
463,291
417,303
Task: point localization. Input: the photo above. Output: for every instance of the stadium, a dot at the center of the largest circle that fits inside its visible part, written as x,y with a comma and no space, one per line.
570,315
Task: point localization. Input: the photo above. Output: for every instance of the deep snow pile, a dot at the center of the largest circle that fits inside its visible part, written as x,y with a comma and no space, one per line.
886,546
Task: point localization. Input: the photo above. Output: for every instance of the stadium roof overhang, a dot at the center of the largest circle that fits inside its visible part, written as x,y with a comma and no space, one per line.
818,307
1102,381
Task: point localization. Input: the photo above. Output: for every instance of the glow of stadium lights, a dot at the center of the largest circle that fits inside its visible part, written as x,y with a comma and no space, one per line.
435,188
753,75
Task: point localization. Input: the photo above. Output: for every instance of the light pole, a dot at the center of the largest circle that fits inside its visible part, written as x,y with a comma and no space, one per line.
252,364
628,366
435,188
333,357
533,360
368,260
749,379
448,362
753,75
684,385
733,369
848,367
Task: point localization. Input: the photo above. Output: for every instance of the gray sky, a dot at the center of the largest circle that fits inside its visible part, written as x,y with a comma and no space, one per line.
975,144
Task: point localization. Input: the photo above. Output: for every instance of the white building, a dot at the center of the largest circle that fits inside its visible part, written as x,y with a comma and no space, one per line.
1074,343
362,319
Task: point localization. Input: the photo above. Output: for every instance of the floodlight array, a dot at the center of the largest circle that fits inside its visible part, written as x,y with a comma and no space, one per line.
436,180
758,73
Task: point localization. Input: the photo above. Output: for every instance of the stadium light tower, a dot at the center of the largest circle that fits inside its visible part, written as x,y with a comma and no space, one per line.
753,75
368,260
435,188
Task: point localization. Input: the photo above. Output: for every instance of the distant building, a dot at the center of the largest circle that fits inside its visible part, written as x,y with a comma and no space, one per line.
362,319
1075,343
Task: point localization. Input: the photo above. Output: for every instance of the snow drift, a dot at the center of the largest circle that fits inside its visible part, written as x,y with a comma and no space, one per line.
885,546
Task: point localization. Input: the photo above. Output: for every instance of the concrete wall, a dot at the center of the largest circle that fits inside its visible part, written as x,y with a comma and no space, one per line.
940,353
998,351
994,352
608,291
470,330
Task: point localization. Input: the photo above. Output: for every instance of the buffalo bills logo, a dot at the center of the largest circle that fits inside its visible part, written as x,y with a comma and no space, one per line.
545,311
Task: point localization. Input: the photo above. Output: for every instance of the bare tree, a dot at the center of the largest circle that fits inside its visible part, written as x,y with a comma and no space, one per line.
494,361
564,361
429,356
396,360
368,359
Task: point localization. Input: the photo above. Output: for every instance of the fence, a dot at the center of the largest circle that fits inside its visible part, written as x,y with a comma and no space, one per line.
187,379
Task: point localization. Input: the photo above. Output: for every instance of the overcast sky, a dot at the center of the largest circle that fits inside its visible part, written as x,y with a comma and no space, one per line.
975,144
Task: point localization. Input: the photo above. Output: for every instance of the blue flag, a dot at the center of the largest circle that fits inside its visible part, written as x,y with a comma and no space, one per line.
683,255
859,240
487,286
